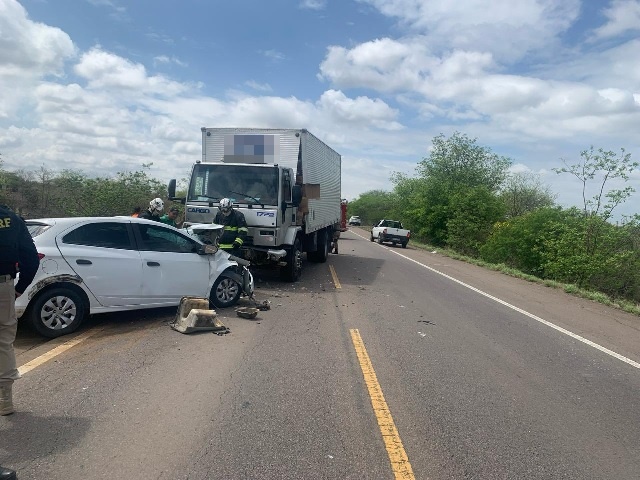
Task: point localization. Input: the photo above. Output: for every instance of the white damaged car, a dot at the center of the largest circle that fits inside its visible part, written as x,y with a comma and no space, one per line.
107,264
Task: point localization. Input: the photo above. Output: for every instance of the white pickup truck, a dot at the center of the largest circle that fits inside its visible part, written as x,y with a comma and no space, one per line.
390,231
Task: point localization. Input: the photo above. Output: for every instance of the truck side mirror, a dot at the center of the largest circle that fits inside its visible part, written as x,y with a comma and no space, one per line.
296,196
171,192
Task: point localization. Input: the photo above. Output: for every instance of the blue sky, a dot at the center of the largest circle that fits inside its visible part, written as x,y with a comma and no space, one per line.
107,85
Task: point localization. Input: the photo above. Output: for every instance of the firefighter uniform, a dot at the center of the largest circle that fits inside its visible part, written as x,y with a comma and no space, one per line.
16,249
235,230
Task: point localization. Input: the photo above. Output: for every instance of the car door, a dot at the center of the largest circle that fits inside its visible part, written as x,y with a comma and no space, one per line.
171,266
104,255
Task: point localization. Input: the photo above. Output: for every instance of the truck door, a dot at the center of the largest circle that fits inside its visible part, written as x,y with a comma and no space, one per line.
287,208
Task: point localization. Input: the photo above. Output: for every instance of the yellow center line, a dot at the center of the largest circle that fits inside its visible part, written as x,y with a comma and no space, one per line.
397,456
45,357
335,277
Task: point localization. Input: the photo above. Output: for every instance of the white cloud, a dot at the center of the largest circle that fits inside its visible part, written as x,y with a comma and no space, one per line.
104,70
28,52
313,4
468,85
359,111
273,55
160,37
377,176
165,60
117,12
382,64
261,87
510,30
622,16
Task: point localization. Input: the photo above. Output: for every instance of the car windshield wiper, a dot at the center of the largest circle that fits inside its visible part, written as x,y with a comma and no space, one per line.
257,202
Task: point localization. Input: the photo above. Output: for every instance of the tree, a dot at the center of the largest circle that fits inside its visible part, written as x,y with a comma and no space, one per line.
524,192
601,167
45,177
519,241
458,162
473,212
372,206
455,167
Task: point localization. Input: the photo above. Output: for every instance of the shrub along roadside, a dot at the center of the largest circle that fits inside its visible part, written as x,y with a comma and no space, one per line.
599,297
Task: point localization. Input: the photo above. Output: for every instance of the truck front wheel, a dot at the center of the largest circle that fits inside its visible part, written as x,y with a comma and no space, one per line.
292,270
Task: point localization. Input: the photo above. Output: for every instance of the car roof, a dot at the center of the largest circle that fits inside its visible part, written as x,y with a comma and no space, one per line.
68,221
58,225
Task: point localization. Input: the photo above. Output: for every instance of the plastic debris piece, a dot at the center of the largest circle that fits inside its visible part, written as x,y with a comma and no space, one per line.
194,316
247,312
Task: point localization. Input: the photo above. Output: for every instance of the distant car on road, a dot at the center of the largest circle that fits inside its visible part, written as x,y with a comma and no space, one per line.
355,220
109,264
390,231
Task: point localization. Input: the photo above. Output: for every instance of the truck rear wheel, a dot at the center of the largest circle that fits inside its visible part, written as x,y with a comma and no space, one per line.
292,270
320,255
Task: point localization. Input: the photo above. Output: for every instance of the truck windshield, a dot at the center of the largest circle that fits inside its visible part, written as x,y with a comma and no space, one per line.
212,182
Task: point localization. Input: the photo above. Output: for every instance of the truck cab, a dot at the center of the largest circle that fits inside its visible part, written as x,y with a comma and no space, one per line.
263,193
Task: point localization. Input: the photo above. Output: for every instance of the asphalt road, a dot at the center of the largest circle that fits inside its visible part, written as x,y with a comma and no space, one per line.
382,363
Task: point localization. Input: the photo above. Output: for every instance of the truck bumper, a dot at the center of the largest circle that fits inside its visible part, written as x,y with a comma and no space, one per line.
276,254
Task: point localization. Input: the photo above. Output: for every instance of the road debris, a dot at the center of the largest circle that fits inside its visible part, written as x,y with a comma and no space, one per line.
194,315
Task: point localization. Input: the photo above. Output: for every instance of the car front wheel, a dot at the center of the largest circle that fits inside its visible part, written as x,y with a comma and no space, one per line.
225,292
57,312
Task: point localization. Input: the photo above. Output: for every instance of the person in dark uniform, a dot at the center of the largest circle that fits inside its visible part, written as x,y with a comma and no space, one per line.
16,249
235,227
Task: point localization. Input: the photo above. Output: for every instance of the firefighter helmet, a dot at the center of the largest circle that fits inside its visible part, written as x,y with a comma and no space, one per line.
225,206
156,205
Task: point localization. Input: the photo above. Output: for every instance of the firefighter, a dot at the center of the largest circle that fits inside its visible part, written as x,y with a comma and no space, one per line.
235,227
156,206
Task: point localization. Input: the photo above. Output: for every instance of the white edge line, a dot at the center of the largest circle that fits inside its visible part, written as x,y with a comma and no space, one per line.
524,312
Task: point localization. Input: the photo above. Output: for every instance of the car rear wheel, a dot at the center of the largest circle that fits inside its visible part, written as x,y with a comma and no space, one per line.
225,292
57,312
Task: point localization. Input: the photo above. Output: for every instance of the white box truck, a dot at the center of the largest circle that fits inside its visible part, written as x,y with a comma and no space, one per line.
287,184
